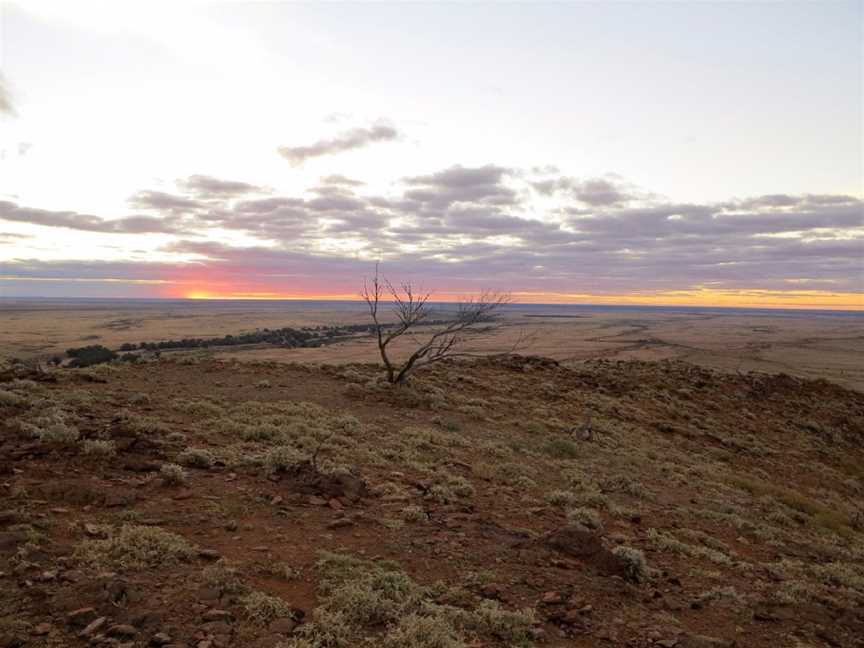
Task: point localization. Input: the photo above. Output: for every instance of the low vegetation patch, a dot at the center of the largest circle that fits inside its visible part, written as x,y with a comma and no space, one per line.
366,604
133,546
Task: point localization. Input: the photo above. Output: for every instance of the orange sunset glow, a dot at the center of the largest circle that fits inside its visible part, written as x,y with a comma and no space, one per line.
704,297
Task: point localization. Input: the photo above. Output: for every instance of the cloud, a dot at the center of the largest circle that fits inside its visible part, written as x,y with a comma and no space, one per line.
7,104
209,187
10,211
341,180
461,184
160,201
10,238
346,141
595,192
466,227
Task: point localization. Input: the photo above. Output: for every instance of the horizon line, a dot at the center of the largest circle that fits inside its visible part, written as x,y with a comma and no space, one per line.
358,300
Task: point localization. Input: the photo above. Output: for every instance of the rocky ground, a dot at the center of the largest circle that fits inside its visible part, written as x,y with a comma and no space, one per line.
511,502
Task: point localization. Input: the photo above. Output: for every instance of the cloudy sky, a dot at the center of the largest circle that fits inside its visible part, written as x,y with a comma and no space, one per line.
606,152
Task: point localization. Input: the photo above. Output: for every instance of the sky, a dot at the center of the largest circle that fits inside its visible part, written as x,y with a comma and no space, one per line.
609,152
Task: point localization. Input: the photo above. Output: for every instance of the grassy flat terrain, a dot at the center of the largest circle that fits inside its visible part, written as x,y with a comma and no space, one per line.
807,345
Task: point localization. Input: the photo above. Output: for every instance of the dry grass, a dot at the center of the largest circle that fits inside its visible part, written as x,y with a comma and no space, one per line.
134,547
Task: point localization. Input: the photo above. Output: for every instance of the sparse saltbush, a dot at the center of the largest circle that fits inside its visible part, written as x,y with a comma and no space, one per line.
11,399
145,425
419,631
139,399
624,484
839,574
562,498
633,560
441,493
224,579
196,458
98,447
414,513
509,626
461,486
172,474
352,375
279,569
134,546
58,433
264,432
281,458
24,385
198,407
587,517
261,608
558,448
727,595
362,599
666,542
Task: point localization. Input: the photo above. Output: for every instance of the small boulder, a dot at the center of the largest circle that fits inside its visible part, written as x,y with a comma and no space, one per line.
94,627
121,631
82,617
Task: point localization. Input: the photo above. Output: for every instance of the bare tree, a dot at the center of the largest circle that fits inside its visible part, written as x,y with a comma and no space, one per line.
475,317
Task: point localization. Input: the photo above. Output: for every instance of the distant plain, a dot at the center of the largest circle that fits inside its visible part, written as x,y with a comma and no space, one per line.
809,344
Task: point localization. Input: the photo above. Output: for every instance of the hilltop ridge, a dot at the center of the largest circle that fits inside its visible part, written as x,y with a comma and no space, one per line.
510,501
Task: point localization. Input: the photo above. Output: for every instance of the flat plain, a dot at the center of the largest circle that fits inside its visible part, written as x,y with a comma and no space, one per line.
805,344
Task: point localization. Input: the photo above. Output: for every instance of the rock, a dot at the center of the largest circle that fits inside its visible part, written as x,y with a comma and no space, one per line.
283,626
146,619
141,465
578,542
539,634
121,631
209,554
10,517
94,627
42,629
11,540
82,617
335,504
160,639
208,594
216,628
491,591
666,643
703,641
766,612
828,637
340,522
217,615
305,478
552,598
574,540
94,530
12,641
